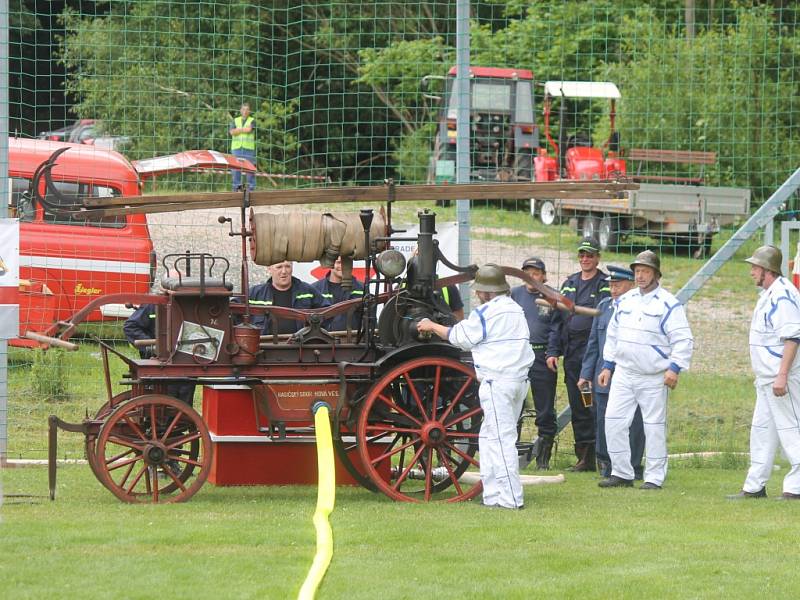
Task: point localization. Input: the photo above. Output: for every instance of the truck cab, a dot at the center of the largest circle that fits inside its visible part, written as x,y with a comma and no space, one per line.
503,135
65,263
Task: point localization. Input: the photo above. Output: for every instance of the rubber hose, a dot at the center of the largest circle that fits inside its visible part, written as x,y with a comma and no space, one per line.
326,497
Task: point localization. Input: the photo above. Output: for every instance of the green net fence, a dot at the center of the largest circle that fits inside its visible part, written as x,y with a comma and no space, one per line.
696,101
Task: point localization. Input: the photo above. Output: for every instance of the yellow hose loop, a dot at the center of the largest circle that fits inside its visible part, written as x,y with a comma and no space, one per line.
326,497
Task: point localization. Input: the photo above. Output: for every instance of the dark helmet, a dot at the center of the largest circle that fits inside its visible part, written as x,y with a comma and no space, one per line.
768,257
490,278
648,258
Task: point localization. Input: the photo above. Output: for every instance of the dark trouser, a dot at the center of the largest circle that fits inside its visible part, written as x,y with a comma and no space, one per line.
543,388
582,418
182,391
636,433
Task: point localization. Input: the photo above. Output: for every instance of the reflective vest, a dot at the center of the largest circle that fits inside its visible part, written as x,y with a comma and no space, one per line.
245,141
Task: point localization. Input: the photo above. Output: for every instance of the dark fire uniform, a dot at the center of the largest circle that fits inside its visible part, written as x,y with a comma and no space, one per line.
575,331
300,295
334,293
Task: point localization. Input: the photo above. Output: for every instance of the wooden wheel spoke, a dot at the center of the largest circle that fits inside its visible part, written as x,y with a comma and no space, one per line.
392,404
462,434
120,464
415,394
153,422
127,474
407,470
152,475
462,454
183,440
428,474
171,426
134,426
391,429
136,480
392,452
127,443
457,398
118,456
174,476
463,417
436,381
446,462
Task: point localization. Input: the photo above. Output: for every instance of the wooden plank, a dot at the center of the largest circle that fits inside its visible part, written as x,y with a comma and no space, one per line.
672,156
697,180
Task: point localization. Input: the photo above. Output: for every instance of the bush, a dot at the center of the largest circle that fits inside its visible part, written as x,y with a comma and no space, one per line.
48,375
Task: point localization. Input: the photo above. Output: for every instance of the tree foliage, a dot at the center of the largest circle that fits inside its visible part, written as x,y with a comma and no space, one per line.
338,84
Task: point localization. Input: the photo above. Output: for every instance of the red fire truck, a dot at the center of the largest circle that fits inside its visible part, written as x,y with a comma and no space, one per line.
66,263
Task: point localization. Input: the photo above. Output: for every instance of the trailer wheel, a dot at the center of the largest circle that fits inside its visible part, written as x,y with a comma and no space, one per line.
547,212
154,448
418,431
608,233
590,226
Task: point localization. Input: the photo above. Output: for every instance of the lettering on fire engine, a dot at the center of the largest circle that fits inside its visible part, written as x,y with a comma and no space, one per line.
84,291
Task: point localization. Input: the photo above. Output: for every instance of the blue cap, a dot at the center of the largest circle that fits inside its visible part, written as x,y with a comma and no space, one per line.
616,273
535,262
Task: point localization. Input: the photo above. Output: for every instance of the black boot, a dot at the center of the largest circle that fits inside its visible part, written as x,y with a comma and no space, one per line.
586,458
544,454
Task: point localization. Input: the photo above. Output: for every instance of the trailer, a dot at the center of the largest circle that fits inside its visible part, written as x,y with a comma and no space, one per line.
687,215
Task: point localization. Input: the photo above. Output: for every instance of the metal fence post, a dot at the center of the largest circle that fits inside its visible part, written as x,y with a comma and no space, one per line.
462,89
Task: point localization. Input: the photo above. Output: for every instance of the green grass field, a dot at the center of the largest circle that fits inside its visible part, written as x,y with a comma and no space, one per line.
573,540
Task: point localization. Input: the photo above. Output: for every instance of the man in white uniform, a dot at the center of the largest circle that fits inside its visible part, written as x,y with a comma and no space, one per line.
774,336
497,334
648,344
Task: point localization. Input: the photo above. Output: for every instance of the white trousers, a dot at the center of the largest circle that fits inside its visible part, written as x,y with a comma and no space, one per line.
776,420
648,392
497,442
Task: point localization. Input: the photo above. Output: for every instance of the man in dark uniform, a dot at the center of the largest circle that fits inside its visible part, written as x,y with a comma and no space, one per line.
620,280
282,289
330,287
544,324
585,288
141,325
452,297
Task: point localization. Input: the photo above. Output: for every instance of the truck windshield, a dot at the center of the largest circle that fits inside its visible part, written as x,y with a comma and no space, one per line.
487,96
491,97
72,193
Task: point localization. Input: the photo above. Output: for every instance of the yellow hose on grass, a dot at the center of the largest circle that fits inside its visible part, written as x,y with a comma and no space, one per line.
326,497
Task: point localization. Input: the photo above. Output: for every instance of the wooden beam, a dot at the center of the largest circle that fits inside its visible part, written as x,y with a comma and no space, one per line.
365,194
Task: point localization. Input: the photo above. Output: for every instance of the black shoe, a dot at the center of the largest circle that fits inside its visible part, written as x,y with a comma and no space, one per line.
615,481
788,496
647,485
544,454
762,493
586,458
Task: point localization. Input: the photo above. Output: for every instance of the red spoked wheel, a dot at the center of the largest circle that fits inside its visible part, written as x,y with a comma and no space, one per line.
155,449
418,429
90,444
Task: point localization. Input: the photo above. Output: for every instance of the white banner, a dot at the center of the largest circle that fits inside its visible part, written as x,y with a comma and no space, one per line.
9,278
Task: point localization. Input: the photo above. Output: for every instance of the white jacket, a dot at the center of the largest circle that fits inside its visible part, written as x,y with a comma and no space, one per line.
497,334
776,318
648,334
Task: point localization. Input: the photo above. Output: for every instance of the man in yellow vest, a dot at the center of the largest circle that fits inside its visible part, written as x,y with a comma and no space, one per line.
243,145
